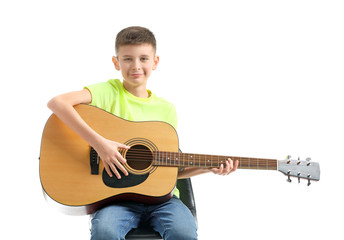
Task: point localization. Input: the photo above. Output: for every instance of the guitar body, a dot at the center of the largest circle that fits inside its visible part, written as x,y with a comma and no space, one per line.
65,170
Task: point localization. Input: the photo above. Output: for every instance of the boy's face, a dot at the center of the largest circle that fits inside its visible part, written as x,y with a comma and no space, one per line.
136,63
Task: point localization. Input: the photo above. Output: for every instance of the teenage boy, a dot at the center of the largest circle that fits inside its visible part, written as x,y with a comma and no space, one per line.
136,59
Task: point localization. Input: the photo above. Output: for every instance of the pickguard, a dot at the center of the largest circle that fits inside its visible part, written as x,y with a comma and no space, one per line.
125,181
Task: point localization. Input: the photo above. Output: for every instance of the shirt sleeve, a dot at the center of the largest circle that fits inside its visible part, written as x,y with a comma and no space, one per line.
102,95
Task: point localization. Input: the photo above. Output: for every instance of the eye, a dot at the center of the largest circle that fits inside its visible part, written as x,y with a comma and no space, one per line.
127,59
143,59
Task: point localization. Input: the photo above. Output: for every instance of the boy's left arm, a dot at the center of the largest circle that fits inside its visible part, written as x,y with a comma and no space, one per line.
194,171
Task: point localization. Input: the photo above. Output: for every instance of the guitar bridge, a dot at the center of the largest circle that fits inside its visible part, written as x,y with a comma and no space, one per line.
94,162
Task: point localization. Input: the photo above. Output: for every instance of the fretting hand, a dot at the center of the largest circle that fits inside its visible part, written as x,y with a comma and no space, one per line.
230,167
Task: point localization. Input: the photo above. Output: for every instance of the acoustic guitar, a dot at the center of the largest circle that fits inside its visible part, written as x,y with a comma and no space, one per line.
73,176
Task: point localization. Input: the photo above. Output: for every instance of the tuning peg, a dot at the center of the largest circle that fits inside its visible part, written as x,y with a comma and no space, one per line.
309,180
288,180
308,161
298,177
288,158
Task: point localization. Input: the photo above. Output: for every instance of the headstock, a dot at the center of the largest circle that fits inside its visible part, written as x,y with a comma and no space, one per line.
300,169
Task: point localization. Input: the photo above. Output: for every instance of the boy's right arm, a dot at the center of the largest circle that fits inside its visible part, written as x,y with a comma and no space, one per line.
63,107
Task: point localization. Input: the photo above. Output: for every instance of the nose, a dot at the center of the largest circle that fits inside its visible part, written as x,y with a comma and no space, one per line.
136,65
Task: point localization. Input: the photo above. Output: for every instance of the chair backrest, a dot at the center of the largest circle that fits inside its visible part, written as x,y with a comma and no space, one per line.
187,195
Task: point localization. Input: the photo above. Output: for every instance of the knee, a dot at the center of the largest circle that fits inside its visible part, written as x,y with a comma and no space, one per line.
101,230
182,231
186,234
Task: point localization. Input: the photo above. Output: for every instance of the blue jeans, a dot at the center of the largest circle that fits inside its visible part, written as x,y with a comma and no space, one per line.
172,219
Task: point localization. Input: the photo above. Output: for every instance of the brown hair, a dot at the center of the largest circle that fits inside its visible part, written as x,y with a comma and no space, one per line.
135,35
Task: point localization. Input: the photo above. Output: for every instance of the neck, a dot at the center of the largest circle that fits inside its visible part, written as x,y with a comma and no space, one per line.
138,91
210,161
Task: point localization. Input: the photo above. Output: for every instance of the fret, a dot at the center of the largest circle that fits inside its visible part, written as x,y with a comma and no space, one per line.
162,158
165,158
159,158
174,161
253,163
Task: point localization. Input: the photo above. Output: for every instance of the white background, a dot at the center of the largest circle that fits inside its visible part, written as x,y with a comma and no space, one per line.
248,78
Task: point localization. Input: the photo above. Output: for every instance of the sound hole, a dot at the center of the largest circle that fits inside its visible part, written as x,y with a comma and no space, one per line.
139,157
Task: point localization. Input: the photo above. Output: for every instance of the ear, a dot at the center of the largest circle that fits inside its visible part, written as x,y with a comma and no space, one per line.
156,62
116,63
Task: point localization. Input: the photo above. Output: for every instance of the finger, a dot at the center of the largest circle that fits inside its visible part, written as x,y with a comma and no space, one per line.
220,169
120,158
230,163
228,167
119,161
114,170
236,165
120,167
107,169
123,146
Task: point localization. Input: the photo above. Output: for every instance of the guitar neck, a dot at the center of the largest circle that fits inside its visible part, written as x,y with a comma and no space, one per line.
176,159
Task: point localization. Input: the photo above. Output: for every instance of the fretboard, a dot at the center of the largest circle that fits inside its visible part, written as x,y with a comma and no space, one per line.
177,159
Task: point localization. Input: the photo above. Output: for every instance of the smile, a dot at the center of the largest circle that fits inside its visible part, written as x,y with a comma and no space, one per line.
136,74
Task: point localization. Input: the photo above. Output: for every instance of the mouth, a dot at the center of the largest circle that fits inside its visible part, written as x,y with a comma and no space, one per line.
136,75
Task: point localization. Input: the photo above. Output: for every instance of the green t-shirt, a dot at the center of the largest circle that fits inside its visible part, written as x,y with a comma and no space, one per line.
112,97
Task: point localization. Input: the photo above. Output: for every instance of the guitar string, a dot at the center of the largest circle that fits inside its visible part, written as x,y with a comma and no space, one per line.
143,153
163,162
147,155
